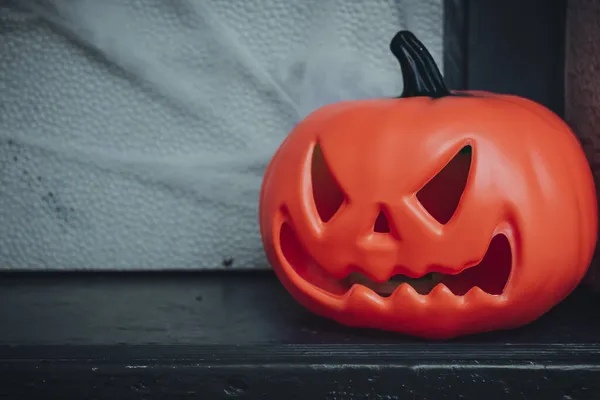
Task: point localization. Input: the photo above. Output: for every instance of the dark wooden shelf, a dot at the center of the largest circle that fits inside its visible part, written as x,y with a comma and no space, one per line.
242,336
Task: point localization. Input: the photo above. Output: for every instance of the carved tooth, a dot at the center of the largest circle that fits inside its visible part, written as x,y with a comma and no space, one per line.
362,295
406,297
441,293
405,289
475,294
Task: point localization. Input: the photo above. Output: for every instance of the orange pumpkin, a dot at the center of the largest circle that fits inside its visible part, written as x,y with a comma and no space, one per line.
434,214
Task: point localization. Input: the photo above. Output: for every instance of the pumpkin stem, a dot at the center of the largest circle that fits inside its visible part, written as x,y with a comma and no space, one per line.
420,73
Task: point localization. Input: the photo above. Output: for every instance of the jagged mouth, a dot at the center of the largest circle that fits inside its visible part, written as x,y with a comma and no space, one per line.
491,274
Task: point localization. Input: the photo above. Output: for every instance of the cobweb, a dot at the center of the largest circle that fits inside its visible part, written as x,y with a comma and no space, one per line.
134,133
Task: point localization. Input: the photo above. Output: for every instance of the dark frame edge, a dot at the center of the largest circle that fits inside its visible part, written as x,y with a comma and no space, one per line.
456,34
518,47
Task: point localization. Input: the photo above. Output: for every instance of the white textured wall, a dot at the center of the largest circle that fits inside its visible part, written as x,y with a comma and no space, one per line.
134,133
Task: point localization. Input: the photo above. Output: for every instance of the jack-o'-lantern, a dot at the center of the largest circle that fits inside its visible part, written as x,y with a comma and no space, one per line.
434,214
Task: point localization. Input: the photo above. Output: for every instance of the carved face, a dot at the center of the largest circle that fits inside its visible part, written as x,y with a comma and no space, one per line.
432,217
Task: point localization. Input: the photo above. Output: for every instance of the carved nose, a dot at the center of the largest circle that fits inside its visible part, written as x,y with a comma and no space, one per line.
378,250
381,225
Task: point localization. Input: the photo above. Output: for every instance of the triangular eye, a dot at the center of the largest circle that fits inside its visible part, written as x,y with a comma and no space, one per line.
327,194
441,195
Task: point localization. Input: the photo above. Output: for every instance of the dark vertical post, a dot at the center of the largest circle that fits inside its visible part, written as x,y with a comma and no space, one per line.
518,47
456,43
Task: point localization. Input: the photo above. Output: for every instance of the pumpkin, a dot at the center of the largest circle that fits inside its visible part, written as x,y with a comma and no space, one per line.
435,214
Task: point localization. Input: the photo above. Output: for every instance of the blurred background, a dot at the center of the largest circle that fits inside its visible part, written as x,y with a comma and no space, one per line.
134,133
582,87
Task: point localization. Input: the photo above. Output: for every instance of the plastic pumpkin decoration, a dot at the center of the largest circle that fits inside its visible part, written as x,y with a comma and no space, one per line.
435,214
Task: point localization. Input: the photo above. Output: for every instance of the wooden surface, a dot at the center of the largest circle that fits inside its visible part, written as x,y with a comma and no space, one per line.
242,336
215,309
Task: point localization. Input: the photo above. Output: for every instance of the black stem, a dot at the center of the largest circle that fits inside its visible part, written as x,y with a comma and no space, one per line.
420,73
